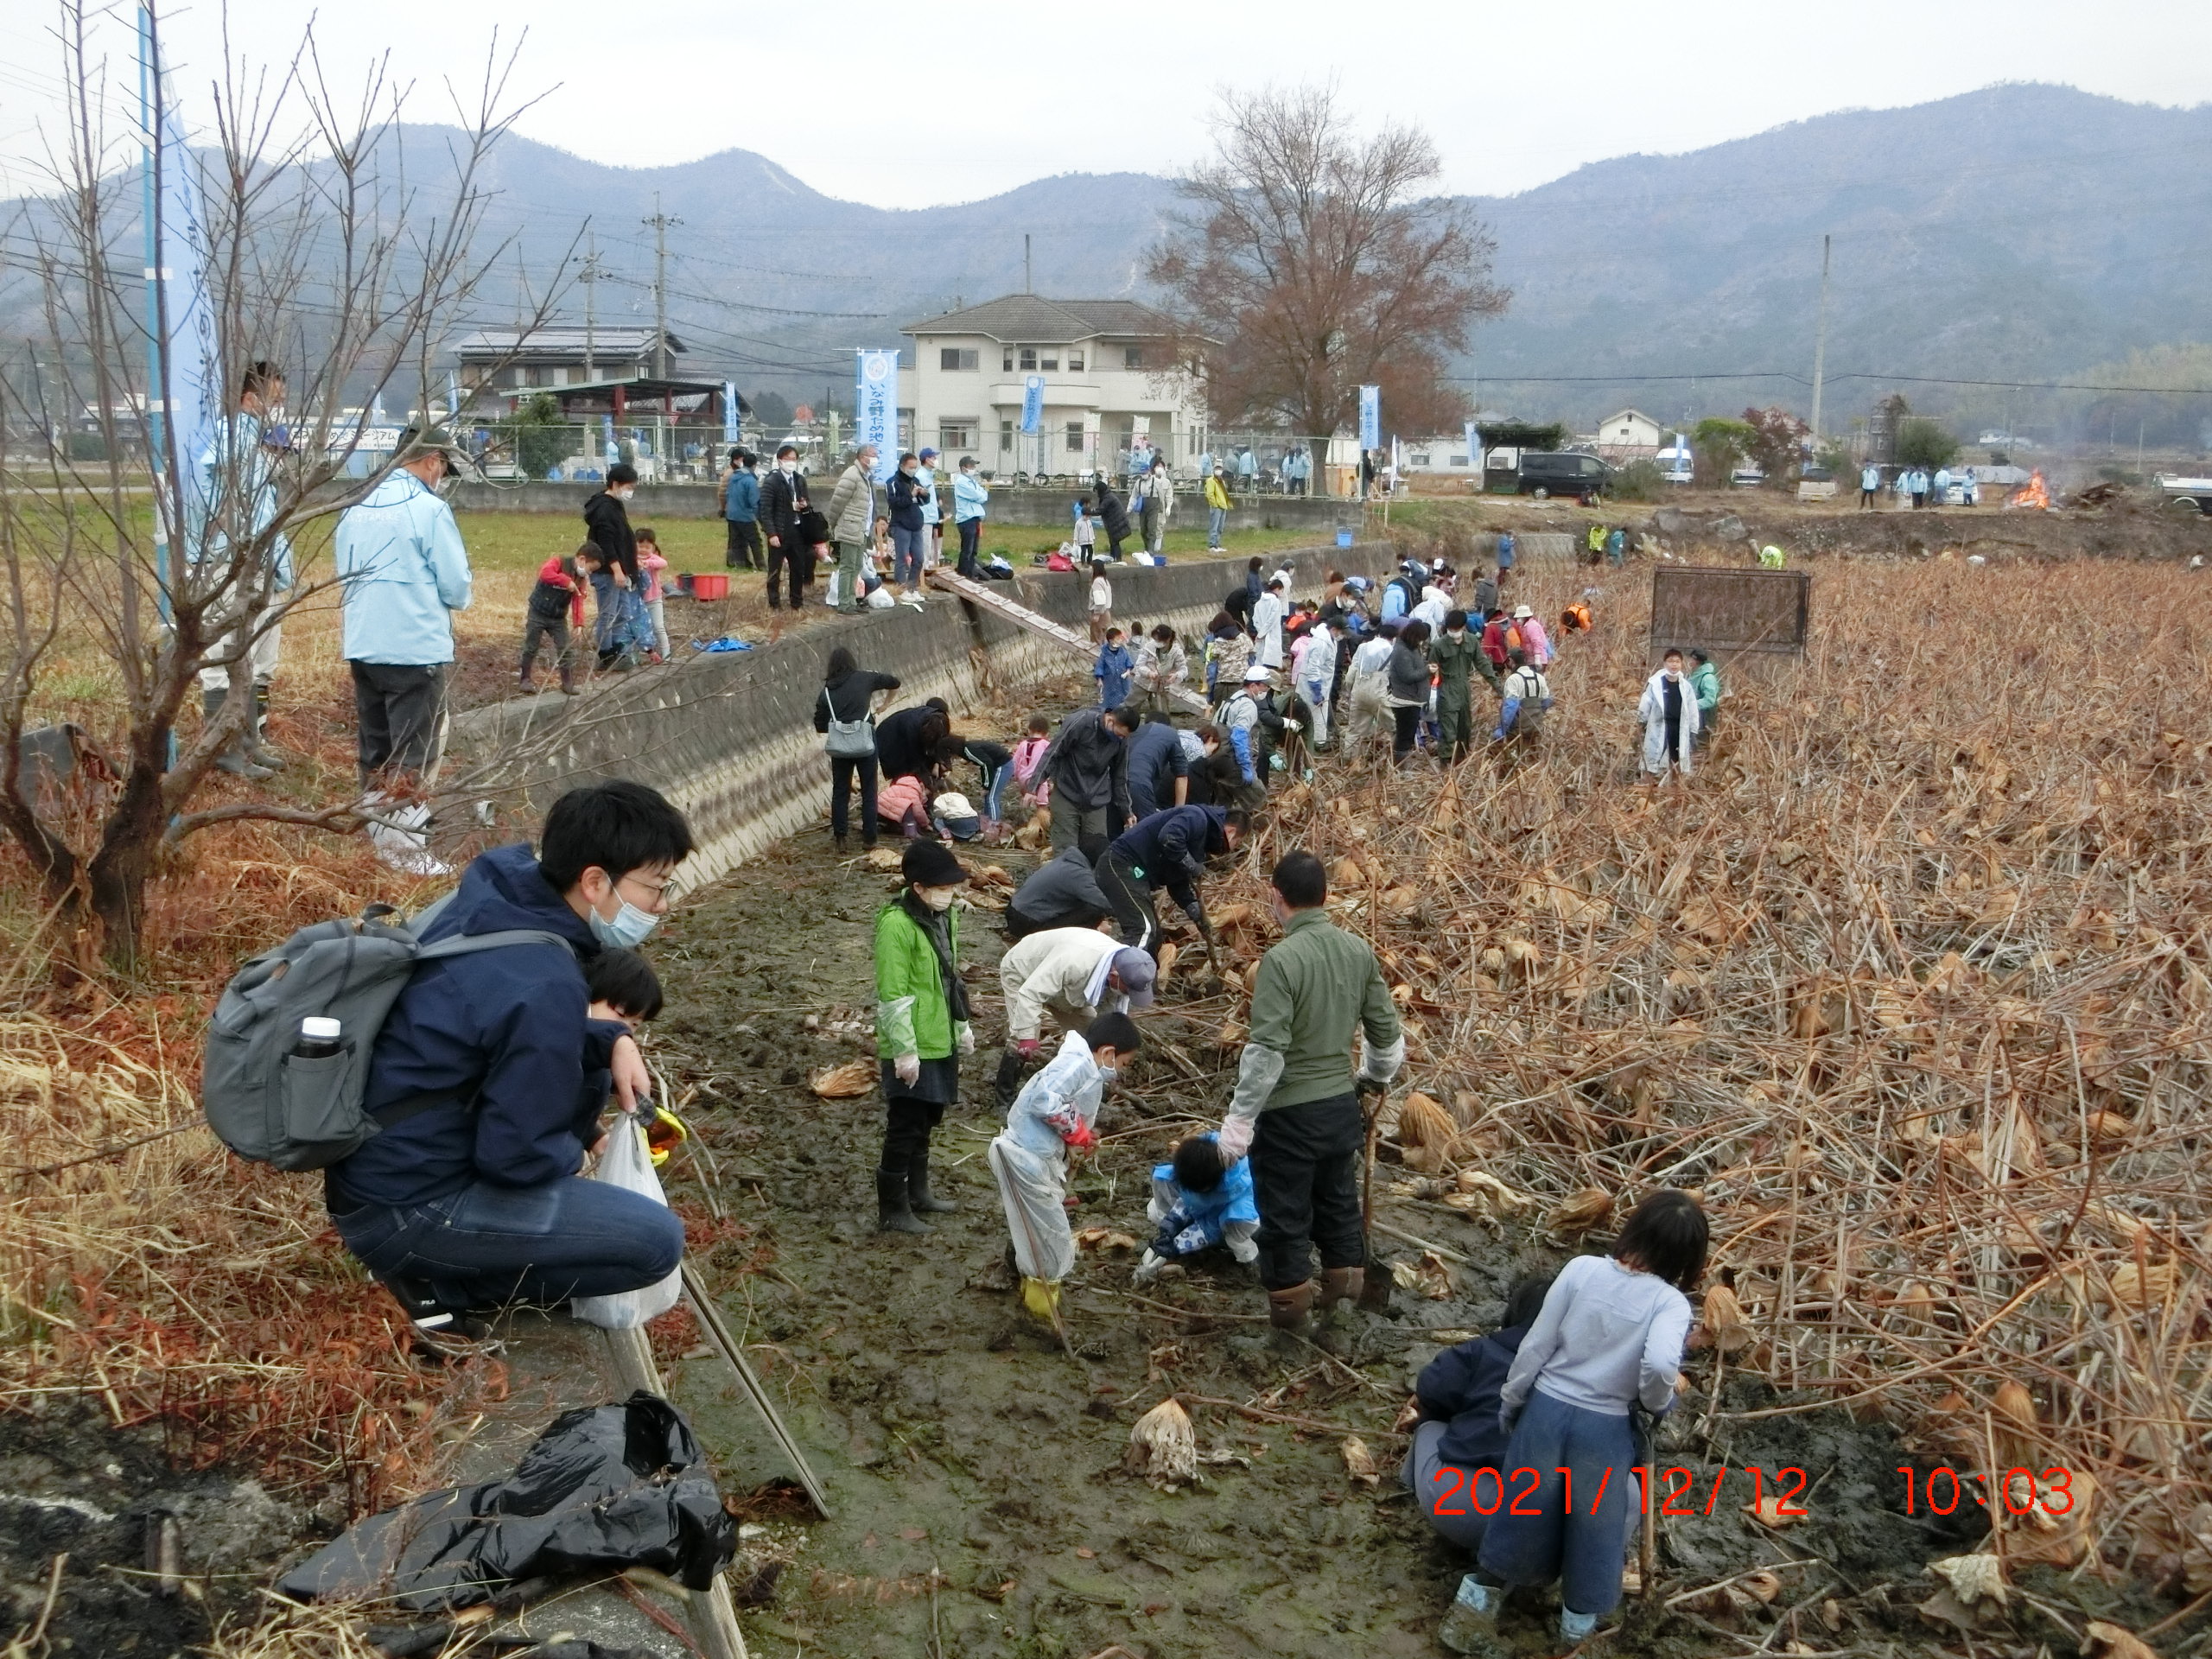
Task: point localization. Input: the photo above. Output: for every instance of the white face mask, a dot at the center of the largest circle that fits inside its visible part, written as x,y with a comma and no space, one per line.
630,928
1108,1073
938,899
1673,673
787,467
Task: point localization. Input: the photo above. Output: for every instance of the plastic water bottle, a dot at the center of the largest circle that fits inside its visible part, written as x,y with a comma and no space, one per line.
320,1038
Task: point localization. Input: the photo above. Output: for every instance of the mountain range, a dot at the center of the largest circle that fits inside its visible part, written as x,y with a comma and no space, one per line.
2021,233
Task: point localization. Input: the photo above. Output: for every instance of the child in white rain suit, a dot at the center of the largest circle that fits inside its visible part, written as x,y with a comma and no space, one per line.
1054,1111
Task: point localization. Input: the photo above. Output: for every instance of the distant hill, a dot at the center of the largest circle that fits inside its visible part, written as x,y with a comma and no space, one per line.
2019,232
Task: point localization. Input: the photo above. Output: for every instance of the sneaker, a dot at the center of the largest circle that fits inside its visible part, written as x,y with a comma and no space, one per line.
438,1334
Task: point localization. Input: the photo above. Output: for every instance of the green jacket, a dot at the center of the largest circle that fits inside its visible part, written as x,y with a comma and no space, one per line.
912,1016
1314,986
1705,680
1454,661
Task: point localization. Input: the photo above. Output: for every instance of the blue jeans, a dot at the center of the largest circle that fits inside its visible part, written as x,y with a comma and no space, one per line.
906,547
489,1246
1536,1537
1216,520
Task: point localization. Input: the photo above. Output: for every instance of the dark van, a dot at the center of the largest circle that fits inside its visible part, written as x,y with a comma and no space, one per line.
1559,472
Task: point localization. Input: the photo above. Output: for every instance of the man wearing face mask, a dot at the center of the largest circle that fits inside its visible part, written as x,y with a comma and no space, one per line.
921,1030
625,632
403,573
852,520
467,1200
1296,1108
1667,710
783,501
1455,654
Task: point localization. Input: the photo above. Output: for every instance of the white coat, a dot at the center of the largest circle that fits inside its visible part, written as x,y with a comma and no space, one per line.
1267,614
1651,709
1057,971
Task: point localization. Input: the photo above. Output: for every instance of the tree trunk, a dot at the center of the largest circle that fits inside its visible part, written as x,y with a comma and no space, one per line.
118,872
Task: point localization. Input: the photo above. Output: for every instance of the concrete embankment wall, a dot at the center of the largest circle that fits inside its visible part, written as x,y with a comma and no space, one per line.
1040,508
730,737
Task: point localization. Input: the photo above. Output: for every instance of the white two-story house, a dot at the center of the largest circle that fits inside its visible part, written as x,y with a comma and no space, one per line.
1110,379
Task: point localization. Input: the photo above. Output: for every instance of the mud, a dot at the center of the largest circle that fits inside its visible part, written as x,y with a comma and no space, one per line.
73,1485
974,1467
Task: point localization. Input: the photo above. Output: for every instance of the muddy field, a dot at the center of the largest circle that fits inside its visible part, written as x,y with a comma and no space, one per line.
974,1466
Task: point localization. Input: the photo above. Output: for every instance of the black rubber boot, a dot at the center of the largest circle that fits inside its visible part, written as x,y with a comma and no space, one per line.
256,746
919,1196
893,1212
1008,1081
233,759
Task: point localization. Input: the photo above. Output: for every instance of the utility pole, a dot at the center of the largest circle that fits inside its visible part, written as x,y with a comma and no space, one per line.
660,222
1029,284
589,277
1820,342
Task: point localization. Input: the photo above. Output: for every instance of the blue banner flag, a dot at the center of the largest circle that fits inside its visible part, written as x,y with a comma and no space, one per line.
731,431
875,409
1032,403
1370,417
1474,446
607,428
184,373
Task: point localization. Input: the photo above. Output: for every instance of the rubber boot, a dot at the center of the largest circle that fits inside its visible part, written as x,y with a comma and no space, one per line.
233,759
1470,1625
920,1198
1286,1309
893,1213
256,747
1008,1081
843,844
1340,1289
1340,1285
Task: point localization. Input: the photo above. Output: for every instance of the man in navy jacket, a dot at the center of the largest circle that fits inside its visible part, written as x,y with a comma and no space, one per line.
1159,773
1168,849
488,1080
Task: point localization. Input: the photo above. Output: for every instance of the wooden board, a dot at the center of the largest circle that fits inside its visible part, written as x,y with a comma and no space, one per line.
1729,612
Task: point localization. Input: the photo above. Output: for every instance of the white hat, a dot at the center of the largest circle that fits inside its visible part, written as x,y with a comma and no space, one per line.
959,819
1521,613
1257,671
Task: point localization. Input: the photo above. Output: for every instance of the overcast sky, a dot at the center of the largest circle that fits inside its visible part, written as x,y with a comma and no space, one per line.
909,105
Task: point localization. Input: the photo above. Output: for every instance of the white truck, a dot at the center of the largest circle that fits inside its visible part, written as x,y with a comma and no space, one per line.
2185,495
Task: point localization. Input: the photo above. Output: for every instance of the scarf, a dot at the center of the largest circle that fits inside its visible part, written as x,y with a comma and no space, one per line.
937,931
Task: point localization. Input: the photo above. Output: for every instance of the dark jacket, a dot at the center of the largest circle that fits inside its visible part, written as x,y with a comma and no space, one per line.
899,749
1217,779
782,500
1062,891
1088,765
1238,603
1407,673
1156,760
849,696
907,495
1171,847
1112,512
1462,1386
507,1027
606,526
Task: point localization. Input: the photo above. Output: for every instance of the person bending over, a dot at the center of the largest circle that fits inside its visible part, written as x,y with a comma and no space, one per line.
1198,1200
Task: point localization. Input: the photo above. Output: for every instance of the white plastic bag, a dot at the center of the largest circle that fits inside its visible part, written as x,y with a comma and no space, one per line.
628,1165
880,599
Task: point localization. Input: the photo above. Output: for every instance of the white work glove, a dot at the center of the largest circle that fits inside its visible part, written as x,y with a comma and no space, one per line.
1147,1268
1242,1248
1236,1137
964,1035
909,1068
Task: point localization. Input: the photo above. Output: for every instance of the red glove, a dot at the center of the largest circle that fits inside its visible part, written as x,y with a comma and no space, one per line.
1027,1047
1082,1138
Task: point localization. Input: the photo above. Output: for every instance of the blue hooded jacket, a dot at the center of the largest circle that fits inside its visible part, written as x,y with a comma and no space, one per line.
509,1027
1465,1386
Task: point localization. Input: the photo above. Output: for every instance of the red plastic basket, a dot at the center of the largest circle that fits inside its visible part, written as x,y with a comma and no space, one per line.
714,585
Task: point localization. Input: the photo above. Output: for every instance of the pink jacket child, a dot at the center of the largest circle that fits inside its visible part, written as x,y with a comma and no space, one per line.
904,803
652,564
1028,755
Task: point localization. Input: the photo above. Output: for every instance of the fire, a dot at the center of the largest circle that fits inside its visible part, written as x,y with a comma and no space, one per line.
2033,493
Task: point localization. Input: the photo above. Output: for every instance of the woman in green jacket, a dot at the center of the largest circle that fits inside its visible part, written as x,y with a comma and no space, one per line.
921,1030
1705,680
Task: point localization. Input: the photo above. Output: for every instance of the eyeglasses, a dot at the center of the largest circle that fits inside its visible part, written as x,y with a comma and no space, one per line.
656,892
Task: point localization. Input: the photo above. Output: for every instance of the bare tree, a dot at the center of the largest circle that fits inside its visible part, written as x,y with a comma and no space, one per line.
1305,266
315,252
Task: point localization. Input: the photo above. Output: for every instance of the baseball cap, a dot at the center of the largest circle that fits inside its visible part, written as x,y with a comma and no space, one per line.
1257,672
1138,973
926,455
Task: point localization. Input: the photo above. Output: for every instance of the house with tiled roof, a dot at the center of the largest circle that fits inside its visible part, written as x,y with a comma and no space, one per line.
1110,377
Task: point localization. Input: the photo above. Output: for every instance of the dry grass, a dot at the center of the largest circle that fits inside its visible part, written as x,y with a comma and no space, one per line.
1914,980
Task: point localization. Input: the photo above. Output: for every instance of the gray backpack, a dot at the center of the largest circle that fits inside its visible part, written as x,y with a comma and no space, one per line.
271,1106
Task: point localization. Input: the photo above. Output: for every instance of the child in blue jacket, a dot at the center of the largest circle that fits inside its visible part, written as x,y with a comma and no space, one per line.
1200,1200
1112,670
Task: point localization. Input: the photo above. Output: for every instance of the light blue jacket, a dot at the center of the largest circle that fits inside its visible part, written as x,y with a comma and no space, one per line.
741,498
404,572
970,493
931,512
238,493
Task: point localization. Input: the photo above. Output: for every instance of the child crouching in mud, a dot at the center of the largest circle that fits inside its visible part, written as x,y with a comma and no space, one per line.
1610,1339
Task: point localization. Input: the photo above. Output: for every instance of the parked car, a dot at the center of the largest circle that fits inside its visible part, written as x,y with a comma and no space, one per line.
1746,478
1548,472
1816,484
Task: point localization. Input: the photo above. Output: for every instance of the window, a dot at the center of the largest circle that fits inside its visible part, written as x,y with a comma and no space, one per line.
1133,357
576,374
1075,362
1028,357
951,359
955,435
1052,363
1458,460
1005,437
1005,362
1075,437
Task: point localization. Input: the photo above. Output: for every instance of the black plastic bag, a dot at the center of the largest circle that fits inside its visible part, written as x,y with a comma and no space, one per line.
604,1487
